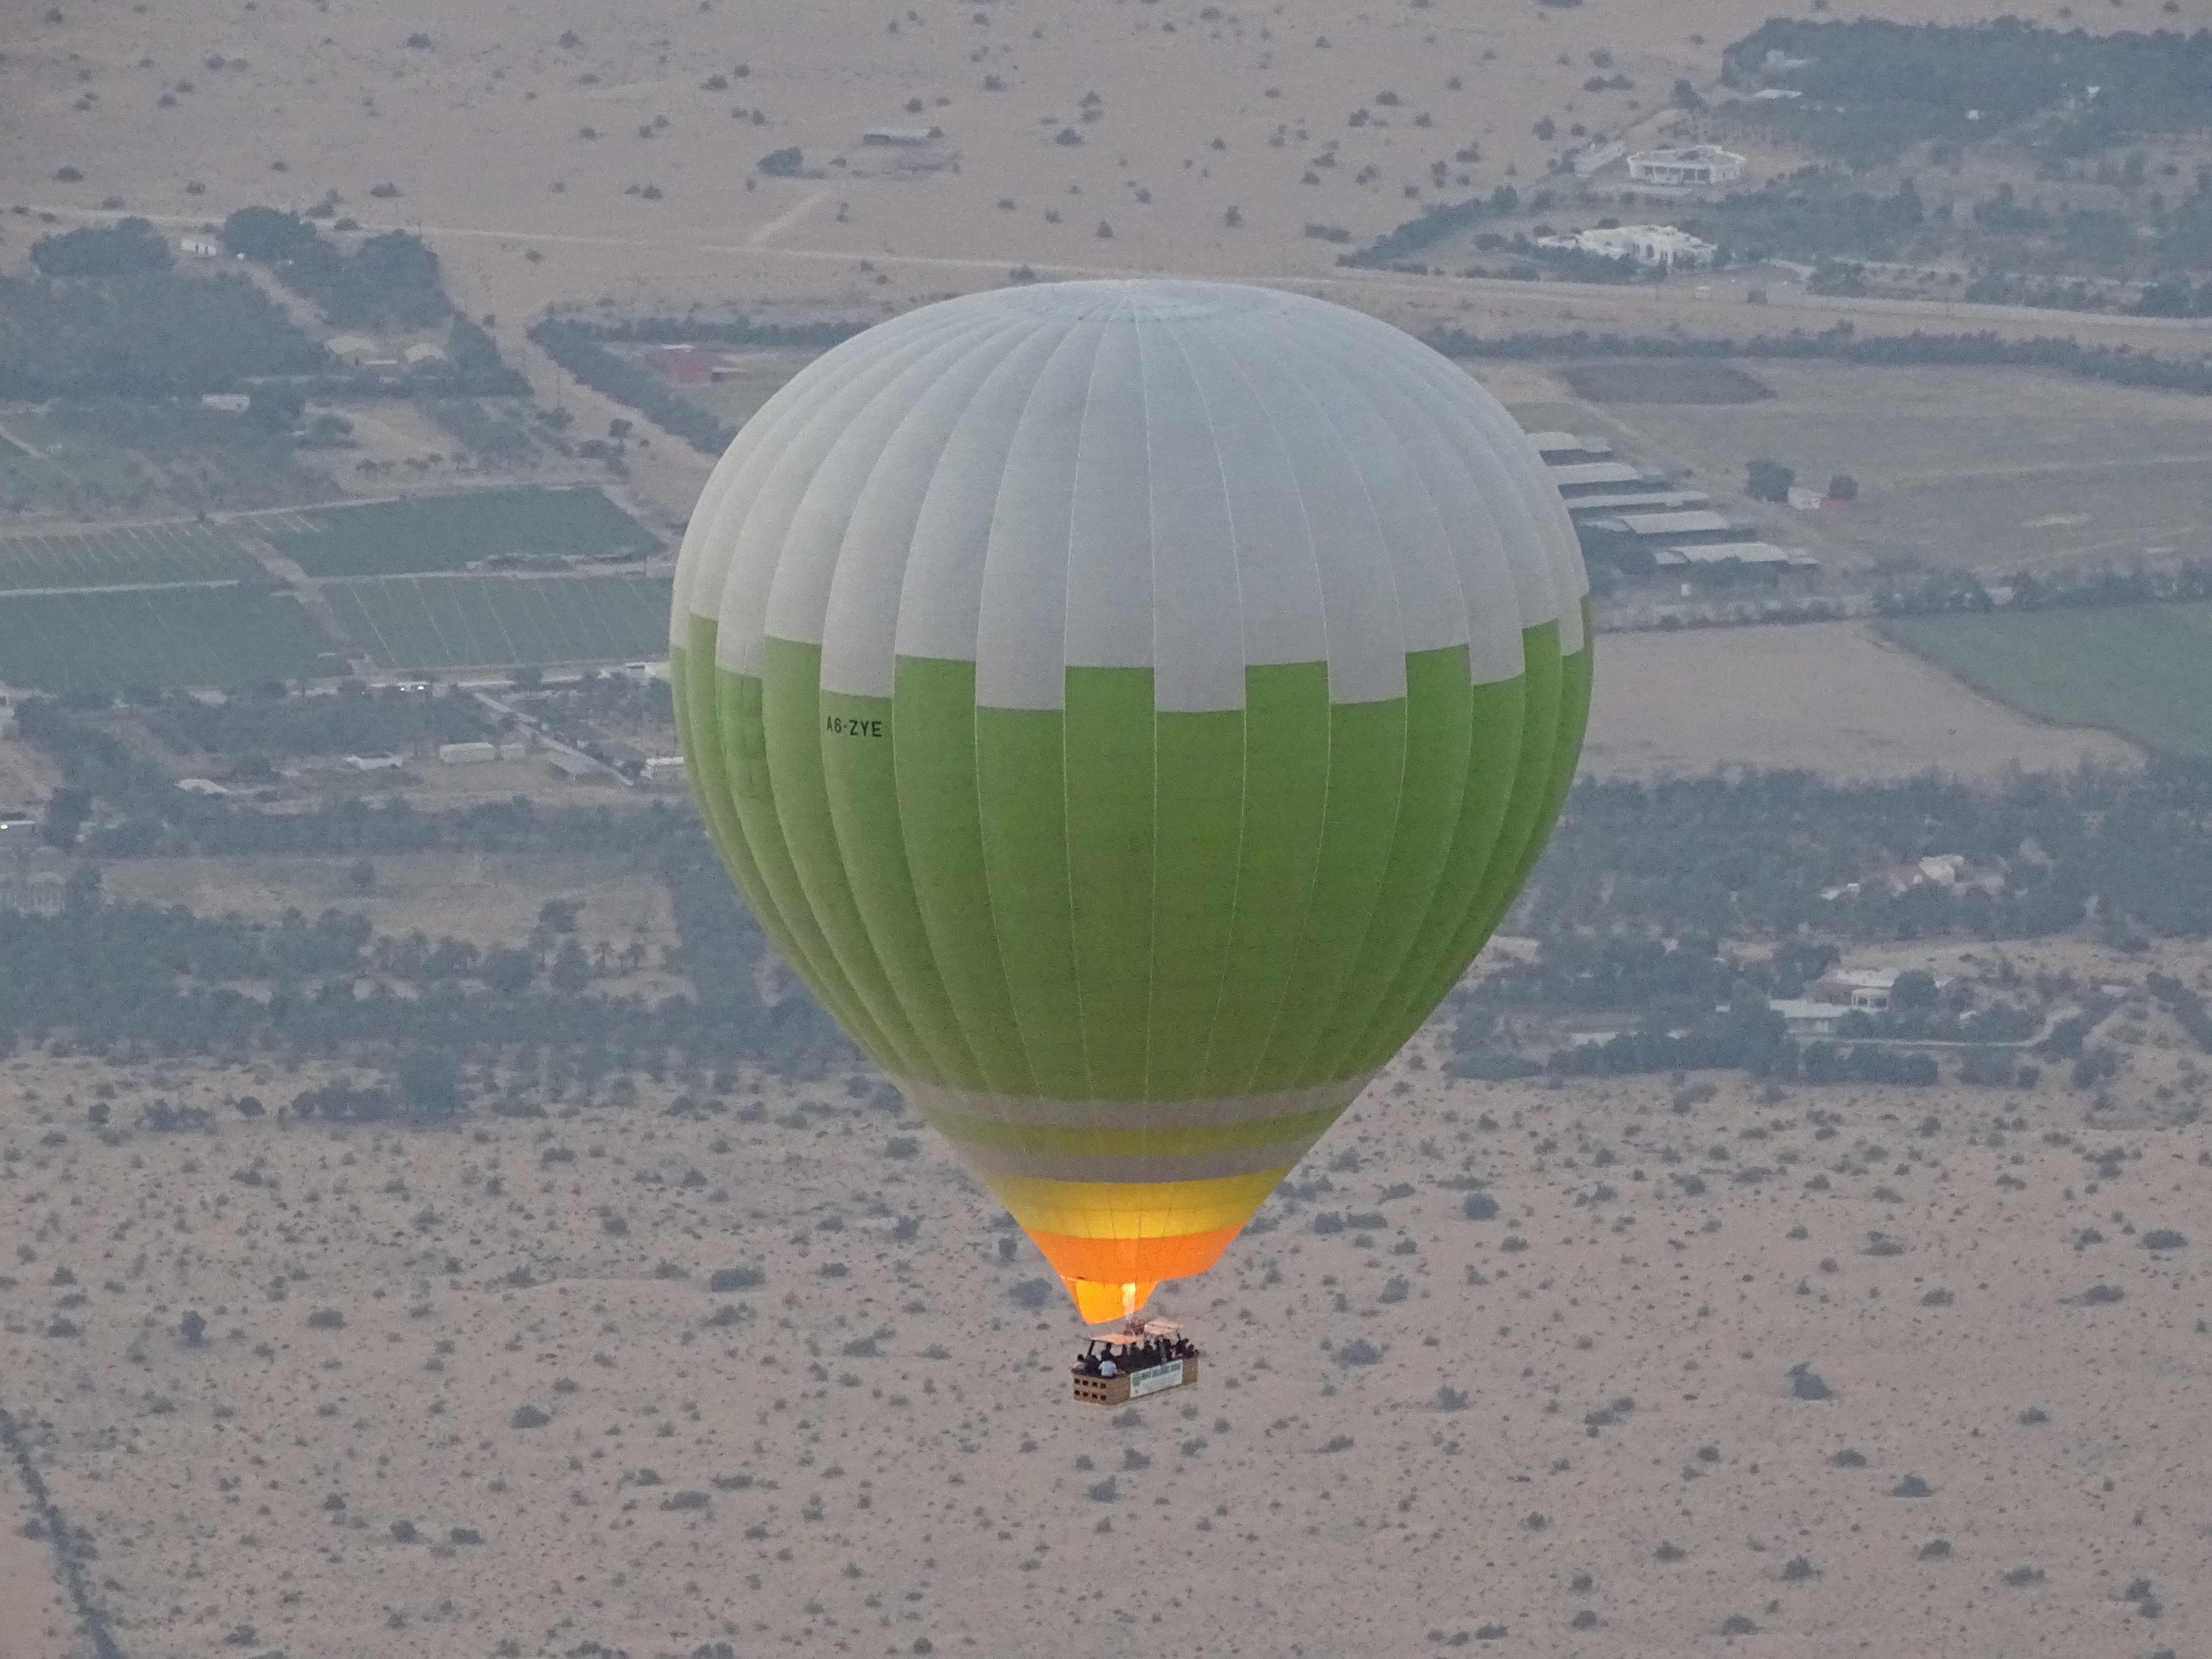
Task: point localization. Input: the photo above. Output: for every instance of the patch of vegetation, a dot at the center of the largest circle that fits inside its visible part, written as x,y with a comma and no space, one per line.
2143,672
153,333
388,280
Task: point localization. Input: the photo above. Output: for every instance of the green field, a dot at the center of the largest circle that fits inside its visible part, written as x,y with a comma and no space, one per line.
129,557
427,533
160,637
424,622
2144,672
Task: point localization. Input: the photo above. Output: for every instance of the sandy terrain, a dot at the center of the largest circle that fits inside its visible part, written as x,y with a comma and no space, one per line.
35,1621
882,1449
480,131
1832,697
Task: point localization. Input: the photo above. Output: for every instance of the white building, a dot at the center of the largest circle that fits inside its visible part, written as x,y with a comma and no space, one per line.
467,754
200,247
1803,1017
1647,245
1596,158
1692,164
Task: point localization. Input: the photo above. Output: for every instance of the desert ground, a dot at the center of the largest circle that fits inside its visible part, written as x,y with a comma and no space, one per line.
1831,697
1572,1428
1695,1369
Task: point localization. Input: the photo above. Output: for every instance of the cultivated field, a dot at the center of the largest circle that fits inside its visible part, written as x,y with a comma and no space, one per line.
425,622
1583,1425
2144,672
449,533
1831,697
157,637
135,555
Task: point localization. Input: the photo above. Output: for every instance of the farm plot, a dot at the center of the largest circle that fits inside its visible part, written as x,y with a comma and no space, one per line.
425,622
160,637
430,533
2142,670
133,556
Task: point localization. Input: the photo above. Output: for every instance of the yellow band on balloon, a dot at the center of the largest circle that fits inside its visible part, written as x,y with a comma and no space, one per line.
1148,1209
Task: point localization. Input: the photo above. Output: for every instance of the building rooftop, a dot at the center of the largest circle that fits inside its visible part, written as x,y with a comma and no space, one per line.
1594,472
1737,553
1688,523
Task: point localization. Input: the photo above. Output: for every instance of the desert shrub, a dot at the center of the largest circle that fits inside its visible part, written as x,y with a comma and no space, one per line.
326,1319
2163,1238
723,1280
1805,1383
685,1500
1935,1549
1106,1490
1449,1399
1031,1293
2099,1295
529,1417
1358,1351
1911,1486
1849,1458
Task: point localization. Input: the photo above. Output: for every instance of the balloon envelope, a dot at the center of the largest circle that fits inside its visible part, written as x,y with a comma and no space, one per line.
1129,707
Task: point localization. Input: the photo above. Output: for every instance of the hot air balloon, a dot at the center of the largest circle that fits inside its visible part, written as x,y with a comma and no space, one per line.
1129,706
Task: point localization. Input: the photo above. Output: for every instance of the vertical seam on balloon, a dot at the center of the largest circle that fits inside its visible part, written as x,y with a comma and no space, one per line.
1082,431
1328,724
956,1037
996,950
1244,817
1315,1054
1353,1046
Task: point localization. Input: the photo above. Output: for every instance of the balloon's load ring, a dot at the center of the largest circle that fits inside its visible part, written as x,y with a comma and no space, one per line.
1140,1357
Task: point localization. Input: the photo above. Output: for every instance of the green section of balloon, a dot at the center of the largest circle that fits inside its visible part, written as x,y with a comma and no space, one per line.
1129,707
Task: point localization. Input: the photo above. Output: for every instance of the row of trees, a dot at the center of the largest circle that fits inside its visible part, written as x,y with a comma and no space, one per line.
576,346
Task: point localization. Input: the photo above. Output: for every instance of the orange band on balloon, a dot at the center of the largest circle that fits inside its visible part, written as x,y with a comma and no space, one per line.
1129,1261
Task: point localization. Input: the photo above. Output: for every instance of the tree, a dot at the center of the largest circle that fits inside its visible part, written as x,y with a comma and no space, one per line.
430,1082
783,163
270,234
1842,487
570,971
1914,988
1769,480
192,1327
121,249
